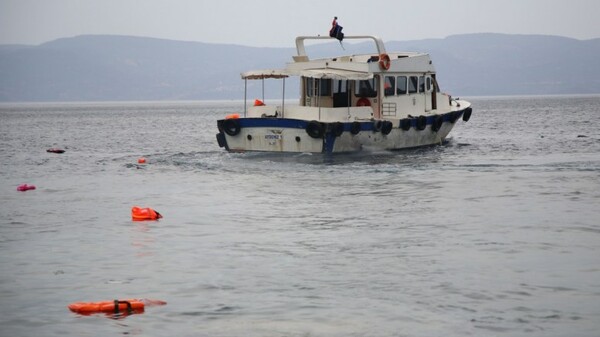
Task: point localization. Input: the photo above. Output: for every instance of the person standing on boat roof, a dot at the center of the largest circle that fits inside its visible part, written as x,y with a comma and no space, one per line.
336,30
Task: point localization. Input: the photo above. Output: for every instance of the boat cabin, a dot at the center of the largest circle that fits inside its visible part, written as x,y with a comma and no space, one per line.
356,87
392,95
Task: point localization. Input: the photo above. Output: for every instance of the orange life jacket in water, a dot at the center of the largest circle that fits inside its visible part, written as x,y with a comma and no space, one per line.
116,306
140,214
128,306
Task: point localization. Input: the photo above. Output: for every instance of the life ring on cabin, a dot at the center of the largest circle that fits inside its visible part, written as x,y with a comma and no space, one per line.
467,114
421,122
231,126
384,61
337,128
141,214
355,128
386,128
315,129
437,123
363,102
405,124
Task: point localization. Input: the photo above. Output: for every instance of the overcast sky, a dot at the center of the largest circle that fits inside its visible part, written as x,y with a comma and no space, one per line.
275,23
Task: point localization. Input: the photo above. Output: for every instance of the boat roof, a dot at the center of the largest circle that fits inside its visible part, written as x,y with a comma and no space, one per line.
349,67
265,73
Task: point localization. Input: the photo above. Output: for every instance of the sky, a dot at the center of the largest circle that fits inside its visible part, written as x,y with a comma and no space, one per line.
276,23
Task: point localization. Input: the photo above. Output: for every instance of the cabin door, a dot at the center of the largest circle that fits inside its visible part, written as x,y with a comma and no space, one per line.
341,96
377,100
428,88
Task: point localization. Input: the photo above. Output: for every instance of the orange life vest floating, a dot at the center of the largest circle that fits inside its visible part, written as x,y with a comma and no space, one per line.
128,306
141,214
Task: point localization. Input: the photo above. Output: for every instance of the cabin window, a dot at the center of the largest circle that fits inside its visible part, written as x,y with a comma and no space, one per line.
318,87
428,83
401,85
340,87
389,85
366,88
421,83
413,84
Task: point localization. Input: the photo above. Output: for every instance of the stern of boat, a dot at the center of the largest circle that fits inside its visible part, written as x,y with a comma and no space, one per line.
270,135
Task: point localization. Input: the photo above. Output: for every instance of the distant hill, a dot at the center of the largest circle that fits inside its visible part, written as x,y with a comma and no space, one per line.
99,67
498,64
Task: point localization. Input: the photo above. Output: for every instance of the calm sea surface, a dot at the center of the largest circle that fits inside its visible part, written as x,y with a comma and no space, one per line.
496,233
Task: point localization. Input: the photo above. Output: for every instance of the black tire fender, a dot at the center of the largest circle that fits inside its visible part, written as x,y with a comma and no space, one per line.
315,129
453,116
467,114
421,122
405,124
387,127
231,127
437,123
355,128
377,125
337,128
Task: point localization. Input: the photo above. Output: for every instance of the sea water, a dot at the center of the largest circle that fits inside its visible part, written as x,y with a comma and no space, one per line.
496,233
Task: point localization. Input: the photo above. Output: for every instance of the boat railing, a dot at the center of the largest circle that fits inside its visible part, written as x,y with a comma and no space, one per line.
302,50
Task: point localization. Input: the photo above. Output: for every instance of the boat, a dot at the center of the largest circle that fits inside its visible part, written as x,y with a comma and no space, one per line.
374,101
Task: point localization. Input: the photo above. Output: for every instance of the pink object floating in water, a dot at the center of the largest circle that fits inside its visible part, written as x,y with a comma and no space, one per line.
25,187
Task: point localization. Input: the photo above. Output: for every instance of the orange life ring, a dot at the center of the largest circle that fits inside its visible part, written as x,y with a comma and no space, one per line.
384,61
140,214
116,306
363,102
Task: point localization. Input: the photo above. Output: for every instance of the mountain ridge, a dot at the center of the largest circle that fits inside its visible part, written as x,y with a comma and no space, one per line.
118,67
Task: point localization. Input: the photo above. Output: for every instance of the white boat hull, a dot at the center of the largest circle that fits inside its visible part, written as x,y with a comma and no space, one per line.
295,135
